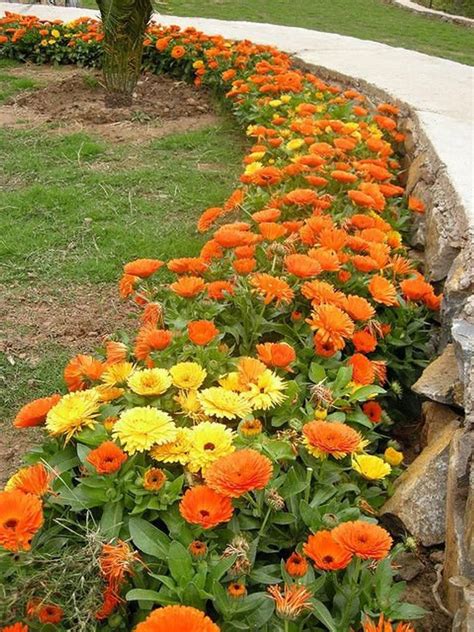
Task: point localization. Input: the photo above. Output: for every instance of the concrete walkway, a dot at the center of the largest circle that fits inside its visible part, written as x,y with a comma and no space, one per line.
441,92
419,8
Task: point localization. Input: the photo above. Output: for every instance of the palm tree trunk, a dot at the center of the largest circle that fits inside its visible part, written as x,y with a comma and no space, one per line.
124,23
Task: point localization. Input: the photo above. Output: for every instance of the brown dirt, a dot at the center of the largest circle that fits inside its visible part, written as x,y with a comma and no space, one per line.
74,98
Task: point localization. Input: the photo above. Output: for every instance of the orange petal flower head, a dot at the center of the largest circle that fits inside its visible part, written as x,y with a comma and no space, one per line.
82,371
206,507
188,286
238,473
383,291
296,565
363,371
302,266
107,458
326,553
323,439
34,479
364,539
276,354
201,332
21,516
331,324
142,268
34,413
272,288
177,619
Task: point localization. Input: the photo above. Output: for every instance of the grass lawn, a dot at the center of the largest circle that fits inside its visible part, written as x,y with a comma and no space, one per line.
365,19
73,209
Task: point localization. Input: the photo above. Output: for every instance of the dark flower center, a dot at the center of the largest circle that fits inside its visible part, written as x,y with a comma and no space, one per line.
209,446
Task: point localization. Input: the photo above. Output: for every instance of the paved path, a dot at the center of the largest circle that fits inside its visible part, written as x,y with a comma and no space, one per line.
440,91
419,8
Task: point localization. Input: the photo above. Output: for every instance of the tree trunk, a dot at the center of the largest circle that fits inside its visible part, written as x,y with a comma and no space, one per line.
124,23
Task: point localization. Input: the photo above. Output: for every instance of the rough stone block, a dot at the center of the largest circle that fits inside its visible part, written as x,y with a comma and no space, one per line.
440,380
436,417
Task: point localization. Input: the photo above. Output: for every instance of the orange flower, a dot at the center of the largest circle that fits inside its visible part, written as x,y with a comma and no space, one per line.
236,590
127,285
151,339
116,561
239,472
383,291
358,308
197,548
343,176
364,539
34,413
16,627
319,292
245,265
208,218
363,371
276,354
115,351
416,205
373,410
385,626
188,286
21,516
110,601
188,265
34,479
267,215
220,290
364,341
81,371
107,458
142,268
271,230
266,176
204,506
177,52
292,602
302,266
44,612
323,438
326,553
201,332
331,324
327,259
272,288
296,565
415,289
177,619
233,237
154,479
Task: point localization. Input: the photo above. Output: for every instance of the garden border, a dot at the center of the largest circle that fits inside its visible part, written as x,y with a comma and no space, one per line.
432,13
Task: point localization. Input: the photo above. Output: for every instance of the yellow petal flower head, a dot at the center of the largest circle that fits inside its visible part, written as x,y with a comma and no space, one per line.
393,457
176,451
231,382
73,413
149,381
190,405
188,375
209,441
219,402
117,374
267,392
139,429
370,467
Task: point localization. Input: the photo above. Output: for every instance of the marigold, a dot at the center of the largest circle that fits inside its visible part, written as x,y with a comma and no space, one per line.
220,402
220,290
116,561
302,266
188,286
373,410
177,619
44,612
21,516
154,479
383,291
291,602
276,354
415,289
140,428
151,339
321,292
81,371
188,265
201,332
326,553
363,371
251,427
204,506
34,479
176,451
16,627
266,391
239,473
358,308
336,439
364,341
236,590
118,374
73,413
416,205
332,325
371,467
142,268
149,382
385,626
107,458
197,548
188,375
392,456
272,288
34,413
364,539
209,441
296,565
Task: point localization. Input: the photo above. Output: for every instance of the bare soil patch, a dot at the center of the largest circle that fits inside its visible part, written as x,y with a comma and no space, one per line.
74,98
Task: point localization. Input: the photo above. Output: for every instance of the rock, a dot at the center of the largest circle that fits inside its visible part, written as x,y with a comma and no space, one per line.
463,337
437,557
419,170
419,502
459,557
440,380
436,417
410,566
464,618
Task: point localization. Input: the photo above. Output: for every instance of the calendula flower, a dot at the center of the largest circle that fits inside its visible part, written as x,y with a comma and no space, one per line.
373,410
154,479
332,325
385,626
323,439
117,374
219,402
383,291
251,427
201,332
73,413
176,451
188,375
238,473
236,590
363,539
272,288
21,516
44,612
34,413
177,619
266,392
370,467
392,456
142,268
107,458
325,552
296,565
198,549
276,354
290,603
110,601
81,371
149,381
151,339
138,429
34,479
203,506
209,441
16,627
116,561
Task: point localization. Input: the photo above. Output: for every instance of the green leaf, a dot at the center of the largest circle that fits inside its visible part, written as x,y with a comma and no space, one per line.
111,520
406,611
220,569
322,614
366,392
148,538
180,563
143,594
316,373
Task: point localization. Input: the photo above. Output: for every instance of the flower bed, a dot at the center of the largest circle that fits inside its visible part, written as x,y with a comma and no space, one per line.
227,460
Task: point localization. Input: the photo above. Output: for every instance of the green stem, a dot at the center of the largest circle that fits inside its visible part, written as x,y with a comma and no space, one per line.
264,523
287,625
353,590
307,491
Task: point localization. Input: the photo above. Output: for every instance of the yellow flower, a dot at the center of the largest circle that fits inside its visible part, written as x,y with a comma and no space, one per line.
140,428
393,457
72,413
371,467
108,393
188,375
286,98
275,103
149,381
256,155
252,168
294,144
44,42
174,451
320,413
190,405
198,64
208,442
231,382
52,41
55,33
117,374
266,392
219,402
